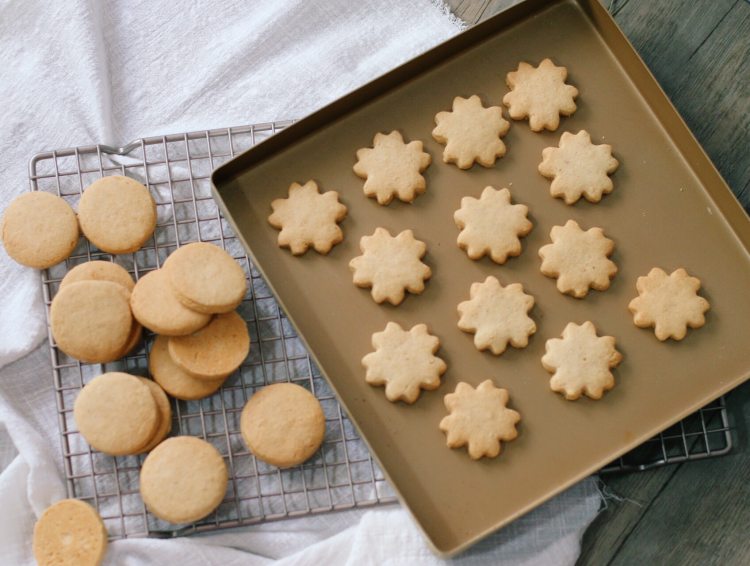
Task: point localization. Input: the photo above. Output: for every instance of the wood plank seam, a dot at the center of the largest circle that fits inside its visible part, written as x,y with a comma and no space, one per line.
705,39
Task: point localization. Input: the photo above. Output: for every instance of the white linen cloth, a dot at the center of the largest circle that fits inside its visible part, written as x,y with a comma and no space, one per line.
81,72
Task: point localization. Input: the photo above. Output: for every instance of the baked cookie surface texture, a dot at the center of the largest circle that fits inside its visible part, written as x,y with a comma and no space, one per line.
283,424
404,361
205,278
39,229
480,419
491,225
308,218
540,94
471,133
214,351
581,362
392,168
69,533
669,303
155,306
117,214
578,168
116,413
578,259
497,316
91,320
173,379
183,479
390,265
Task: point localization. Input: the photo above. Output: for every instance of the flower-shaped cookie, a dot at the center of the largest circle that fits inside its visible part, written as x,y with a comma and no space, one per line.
581,362
578,168
308,218
471,133
480,418
578,259
391,168
391,266
540,94
497,315
669,303
491,225
404,362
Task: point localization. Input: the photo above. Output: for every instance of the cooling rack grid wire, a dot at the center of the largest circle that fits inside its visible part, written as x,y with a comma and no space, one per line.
342,475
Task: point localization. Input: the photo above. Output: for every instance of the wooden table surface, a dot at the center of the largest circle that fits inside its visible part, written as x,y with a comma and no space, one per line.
697,512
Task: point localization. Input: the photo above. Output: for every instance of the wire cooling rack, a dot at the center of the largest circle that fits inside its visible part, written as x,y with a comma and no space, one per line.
704,434
177,170
342,475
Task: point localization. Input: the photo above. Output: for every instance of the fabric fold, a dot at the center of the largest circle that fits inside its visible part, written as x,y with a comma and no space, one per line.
83,72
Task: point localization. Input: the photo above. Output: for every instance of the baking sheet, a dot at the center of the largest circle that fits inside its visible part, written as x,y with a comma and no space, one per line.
670,209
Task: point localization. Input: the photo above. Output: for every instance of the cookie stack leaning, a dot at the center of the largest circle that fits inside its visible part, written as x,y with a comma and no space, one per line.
121,414
190,303
90,315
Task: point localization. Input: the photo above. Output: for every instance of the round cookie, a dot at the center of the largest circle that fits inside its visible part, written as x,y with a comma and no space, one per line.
215,350
99,271
173,379
116,413
183,479
165,414
283,424
91,320
117,214
69,533
205,278
155,306
39,229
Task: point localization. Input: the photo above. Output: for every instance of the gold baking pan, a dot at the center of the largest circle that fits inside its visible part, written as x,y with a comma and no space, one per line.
670,208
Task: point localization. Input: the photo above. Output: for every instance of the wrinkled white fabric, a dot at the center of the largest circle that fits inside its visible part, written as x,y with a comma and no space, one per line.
87,71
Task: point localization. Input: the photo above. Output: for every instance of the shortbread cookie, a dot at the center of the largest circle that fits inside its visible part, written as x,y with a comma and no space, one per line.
116,413
205,278
471,133
39,229
69,533
497,315
578,168
183,479
390,265
581,362
540,94
578,259
91,320
392,168
308,218
669,303
99,271
117,214
165,414
114,273
404,361
283,424
479,418
173,379
214,351
156,307
491,225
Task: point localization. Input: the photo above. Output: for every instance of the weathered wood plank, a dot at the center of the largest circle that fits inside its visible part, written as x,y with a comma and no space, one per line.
698,51
631,496
702,516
